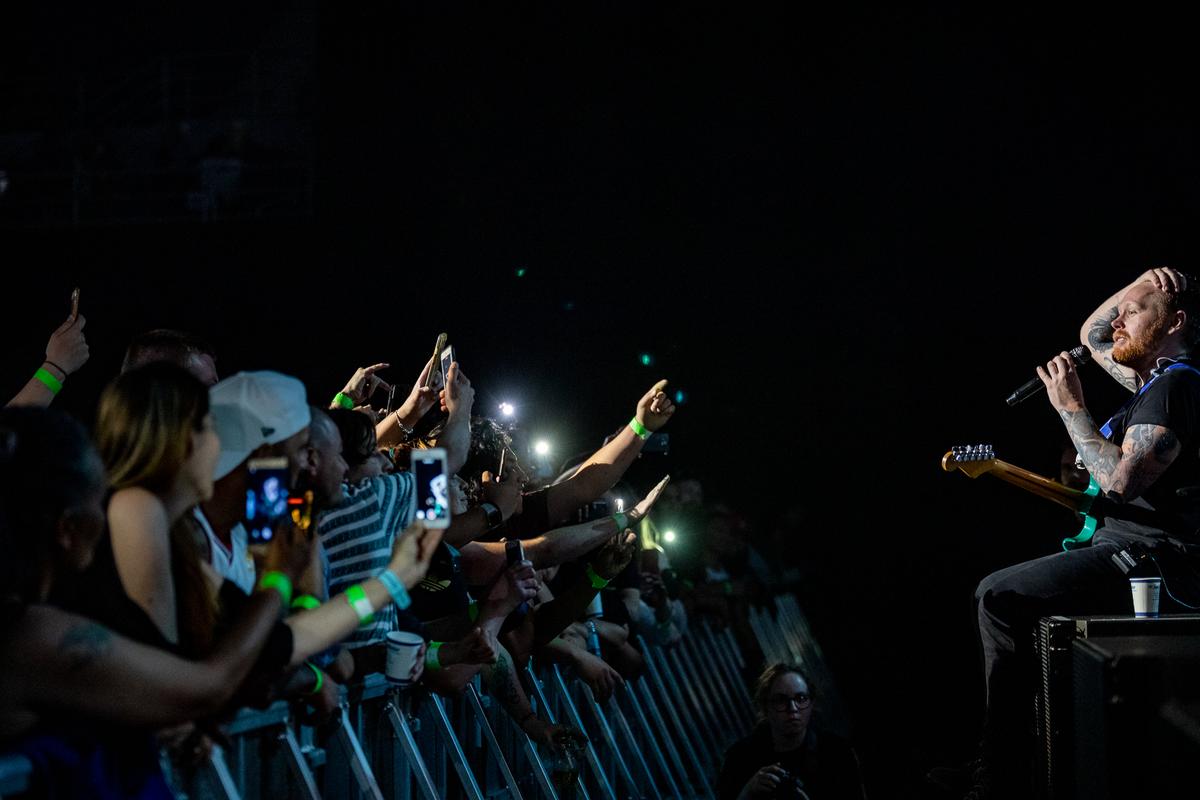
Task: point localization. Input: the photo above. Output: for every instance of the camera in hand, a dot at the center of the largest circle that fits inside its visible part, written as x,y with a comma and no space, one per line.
791,788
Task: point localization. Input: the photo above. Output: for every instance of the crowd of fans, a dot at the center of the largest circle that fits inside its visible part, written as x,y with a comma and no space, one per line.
136,612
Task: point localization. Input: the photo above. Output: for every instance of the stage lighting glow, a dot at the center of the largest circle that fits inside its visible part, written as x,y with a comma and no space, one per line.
507,409
668,536
542,447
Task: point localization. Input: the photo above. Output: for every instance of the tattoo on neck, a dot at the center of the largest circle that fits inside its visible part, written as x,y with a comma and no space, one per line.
85,643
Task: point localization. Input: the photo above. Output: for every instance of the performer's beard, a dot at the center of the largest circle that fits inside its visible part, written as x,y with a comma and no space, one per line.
1132,351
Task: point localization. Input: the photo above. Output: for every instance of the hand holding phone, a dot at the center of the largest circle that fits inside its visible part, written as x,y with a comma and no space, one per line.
514,551
433,487
447,358
67,351
412,551
266,498
435,379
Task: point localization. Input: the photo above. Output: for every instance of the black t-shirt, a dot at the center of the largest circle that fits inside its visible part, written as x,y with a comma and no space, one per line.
443,591
534,519
1171,400
825,767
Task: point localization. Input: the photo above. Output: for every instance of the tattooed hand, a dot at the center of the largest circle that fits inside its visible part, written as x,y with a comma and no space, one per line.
1062,383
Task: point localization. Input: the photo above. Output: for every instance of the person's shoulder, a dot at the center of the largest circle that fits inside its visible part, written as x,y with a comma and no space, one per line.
400,480
378,485
135,497
136,510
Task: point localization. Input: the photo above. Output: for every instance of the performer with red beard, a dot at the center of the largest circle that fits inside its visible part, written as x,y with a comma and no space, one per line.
1147,455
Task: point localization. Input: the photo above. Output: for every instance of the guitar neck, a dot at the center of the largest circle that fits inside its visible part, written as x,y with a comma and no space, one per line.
1043,487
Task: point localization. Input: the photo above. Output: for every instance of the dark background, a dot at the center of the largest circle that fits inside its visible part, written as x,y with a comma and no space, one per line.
847,237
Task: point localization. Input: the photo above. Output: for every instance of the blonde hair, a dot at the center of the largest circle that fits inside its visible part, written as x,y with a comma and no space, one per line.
144,432
145,423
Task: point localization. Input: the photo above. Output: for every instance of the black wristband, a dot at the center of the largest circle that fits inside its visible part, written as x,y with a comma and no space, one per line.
494,518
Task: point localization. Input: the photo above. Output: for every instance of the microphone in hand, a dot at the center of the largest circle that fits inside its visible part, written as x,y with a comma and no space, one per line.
1079,355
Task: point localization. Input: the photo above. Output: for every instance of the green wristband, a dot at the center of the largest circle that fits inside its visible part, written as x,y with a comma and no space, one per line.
473,611
432,662
357,598
622,520
594,577
305,602
342,400
642,432
280,583
52,383
320,679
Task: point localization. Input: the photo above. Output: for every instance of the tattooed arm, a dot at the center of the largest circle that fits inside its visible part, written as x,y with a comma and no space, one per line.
504,685
1097,332
54,659
1129,469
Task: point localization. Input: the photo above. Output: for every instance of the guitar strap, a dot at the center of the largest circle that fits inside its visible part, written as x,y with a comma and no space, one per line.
1084,537
1106,429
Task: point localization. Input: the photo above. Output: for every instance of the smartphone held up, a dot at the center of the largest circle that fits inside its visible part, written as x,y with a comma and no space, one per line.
266,498
433,487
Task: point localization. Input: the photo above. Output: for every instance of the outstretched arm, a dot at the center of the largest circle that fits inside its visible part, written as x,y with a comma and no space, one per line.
72,663
66,353
606,466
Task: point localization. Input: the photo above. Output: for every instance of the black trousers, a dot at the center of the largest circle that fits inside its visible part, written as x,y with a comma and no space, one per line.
1009,604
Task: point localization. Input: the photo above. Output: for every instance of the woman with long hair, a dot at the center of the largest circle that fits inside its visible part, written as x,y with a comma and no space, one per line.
66,680
80,699
160,451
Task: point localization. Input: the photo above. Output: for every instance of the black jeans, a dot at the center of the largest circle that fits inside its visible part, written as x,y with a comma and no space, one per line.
1008,605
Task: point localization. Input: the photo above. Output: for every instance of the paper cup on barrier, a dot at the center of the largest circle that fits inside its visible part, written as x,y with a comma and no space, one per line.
403,650
1145,596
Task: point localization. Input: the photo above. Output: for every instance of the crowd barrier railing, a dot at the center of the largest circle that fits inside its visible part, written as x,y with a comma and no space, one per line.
662,735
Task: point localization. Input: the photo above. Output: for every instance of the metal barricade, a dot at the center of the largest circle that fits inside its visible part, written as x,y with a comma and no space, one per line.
662,735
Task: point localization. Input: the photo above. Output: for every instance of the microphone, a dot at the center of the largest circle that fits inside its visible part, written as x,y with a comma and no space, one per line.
1080,355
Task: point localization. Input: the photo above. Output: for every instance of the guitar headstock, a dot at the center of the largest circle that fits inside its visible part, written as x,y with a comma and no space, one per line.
973,459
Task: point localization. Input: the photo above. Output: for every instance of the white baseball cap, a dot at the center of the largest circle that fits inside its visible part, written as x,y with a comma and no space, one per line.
251,409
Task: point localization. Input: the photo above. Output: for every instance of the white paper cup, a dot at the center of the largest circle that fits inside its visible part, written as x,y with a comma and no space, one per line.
1145,596
403,651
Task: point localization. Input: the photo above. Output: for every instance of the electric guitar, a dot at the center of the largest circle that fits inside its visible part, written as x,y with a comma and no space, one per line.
980,459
